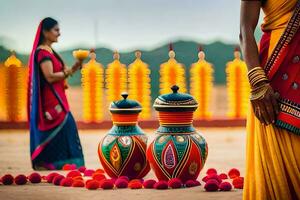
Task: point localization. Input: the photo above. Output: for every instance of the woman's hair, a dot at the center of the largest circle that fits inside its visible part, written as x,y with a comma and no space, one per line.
47,24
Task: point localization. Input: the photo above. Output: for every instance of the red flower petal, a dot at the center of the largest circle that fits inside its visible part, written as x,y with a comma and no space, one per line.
161,185
57,179
121,183
77,178
223,176
66,182
113,180
73,173
98,176
124,177
135,184
197,183
107,184
89,172
82,169
211,185
214,176
211,171
78,183
21,179
149,184
51,176
233,173
7,179
67,167
238,182
225,186
190,183
100,171
92,185
35,177
175,183
205,178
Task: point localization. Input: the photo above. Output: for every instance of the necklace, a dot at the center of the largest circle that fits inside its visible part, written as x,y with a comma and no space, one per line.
46,47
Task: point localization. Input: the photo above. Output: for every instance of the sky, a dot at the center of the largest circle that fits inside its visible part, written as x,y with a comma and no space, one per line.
122,25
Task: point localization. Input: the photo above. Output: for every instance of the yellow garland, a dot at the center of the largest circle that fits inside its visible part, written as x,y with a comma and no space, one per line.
92,88
15,91
172,73
2,92
139,85
201,85
238,87
116,79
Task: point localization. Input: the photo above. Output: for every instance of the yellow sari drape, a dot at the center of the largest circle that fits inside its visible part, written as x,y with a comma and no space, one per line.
272,154
273,162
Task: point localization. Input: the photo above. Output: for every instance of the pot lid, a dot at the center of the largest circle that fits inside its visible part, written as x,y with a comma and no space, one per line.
175,101
125,105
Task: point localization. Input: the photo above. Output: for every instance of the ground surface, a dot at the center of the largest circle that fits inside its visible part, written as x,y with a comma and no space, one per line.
226,150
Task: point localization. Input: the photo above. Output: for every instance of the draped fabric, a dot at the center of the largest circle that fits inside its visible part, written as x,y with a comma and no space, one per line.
273,153
54,139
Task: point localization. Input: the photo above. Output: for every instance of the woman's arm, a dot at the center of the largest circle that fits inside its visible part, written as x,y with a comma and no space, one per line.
52,77
265,106
249,18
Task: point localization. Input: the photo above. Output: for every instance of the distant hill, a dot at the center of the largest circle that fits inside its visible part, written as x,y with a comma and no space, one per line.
217,53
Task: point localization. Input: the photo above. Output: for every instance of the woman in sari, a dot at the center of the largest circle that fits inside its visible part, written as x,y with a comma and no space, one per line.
54,139
273,122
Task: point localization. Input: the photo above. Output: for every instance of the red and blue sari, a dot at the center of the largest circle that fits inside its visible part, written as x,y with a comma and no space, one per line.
54,139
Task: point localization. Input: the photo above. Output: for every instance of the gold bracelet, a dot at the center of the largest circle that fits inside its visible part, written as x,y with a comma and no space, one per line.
257,80
259,92
65,74
258,88
254,69
256,75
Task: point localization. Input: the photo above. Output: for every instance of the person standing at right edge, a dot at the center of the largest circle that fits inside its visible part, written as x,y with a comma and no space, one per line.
273,121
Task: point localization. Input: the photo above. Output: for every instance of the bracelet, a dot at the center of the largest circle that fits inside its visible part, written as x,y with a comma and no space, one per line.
259,92
257,75
65,74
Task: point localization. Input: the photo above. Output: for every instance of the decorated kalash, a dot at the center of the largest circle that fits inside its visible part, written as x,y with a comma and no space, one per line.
178,151
122,151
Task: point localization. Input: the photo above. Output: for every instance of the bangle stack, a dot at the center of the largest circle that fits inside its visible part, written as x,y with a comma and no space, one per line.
259,92
259,83
257,75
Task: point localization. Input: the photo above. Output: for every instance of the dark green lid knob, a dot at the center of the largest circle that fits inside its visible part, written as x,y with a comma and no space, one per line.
124,95
175,88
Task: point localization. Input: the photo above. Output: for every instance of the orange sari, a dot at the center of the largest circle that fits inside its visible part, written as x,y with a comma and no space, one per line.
272,153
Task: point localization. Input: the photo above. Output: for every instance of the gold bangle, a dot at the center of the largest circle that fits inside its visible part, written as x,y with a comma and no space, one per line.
257,80
254,83
65,74
254,69
256,75
259,92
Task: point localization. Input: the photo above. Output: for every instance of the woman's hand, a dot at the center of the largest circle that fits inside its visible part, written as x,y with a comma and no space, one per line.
77,65
68,71
266,108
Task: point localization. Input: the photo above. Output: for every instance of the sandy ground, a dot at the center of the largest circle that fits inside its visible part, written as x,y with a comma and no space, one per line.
226,150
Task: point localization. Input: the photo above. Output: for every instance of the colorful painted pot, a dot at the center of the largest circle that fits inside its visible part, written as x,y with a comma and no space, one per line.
122,151
178,151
